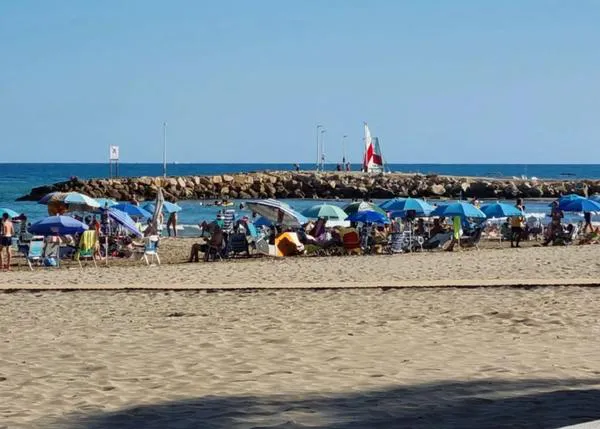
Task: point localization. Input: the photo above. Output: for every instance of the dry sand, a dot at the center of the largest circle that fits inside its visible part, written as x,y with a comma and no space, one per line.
376,358
533,265
444,358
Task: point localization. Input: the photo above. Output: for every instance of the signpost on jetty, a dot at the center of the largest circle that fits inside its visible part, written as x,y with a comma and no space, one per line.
113,161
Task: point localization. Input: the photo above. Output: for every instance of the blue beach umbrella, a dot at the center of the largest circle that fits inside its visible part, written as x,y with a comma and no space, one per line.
393,204
417,205
565,200
11,213
438,210
57,225
463,209
124,220
582,205
497,210
595,197
368,216
167,207
133,210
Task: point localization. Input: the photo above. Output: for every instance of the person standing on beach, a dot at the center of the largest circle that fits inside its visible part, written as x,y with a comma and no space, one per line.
517,224
7,231
172,222
587,219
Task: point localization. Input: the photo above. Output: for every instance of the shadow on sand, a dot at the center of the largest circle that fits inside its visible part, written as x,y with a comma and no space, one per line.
466,405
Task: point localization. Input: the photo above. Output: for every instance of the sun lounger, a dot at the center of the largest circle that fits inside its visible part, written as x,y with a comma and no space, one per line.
35,252
238,244
438,241
473,239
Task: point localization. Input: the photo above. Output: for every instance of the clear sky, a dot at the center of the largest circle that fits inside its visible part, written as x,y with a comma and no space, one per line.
473,81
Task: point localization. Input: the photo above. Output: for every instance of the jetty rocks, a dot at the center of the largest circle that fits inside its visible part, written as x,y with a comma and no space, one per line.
321,185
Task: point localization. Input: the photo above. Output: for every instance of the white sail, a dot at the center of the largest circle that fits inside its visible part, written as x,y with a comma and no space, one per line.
373,159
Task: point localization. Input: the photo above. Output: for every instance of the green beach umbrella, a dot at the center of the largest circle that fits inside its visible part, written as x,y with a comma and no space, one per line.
363,206
327,211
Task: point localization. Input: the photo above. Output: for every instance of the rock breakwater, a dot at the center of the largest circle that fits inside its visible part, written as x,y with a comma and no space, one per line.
315,185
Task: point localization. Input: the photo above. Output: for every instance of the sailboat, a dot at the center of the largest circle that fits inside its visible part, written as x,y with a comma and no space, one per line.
373,158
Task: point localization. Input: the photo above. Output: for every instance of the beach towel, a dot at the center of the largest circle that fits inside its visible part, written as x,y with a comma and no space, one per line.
457,227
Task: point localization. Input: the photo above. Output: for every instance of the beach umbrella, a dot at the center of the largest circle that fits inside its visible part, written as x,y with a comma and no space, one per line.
327,211
368,216
566,199
462,209
11,213
393,204
73,200
496,210
438,210
124,220
595,197
420,207
167,207
277,212
133,210
156,214
582,205
106,202
362,206
57,225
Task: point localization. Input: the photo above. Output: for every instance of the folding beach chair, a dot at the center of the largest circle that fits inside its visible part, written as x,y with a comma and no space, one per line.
238,244
88,244
151,249
35,253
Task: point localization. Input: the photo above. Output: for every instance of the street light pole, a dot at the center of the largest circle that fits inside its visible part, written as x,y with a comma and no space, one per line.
323,131
344,150
318,145
165,149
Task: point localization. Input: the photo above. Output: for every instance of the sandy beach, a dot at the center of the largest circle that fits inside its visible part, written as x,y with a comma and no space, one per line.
419,358
492,264
351,358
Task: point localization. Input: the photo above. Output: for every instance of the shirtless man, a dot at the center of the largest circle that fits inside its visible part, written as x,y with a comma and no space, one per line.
7,230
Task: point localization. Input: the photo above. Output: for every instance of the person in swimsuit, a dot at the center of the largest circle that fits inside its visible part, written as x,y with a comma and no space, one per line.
7,230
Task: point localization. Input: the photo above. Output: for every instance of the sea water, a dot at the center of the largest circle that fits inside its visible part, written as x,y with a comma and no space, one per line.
18,179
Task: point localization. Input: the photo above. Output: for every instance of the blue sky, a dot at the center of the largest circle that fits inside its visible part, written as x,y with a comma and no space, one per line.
247,81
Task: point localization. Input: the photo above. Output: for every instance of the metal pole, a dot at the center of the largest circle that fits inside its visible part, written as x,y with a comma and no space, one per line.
164,149
344,150
318,145
323,131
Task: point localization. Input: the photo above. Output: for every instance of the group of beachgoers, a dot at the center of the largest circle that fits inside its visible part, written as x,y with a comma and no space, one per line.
227,236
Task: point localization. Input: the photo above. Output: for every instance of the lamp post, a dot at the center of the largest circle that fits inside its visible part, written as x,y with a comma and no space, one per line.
344,150
323,131
319,126
165,149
